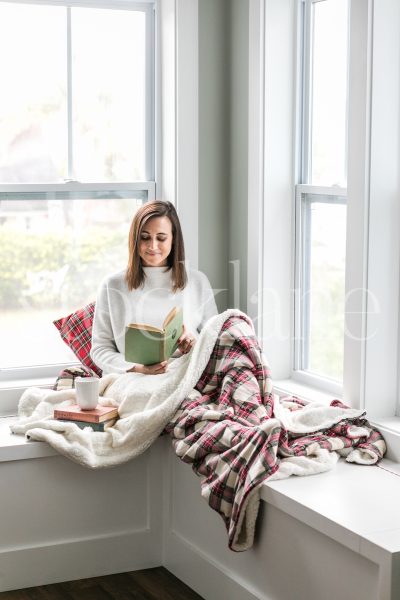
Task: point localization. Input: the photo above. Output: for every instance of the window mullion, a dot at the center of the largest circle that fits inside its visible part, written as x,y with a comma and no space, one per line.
306,92
305,282
150,95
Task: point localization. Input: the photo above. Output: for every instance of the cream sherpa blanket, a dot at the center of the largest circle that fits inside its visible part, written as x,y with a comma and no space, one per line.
146,404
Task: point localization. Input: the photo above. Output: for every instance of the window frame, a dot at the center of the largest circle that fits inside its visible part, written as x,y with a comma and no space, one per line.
45,371
176,135
148,8
301,317
12,380
303,152
304,76
371,369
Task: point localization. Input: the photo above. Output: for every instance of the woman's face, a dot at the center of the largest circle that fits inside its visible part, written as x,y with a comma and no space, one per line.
155,242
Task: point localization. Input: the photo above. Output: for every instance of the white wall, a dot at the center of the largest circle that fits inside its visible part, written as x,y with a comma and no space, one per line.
238,20
214,102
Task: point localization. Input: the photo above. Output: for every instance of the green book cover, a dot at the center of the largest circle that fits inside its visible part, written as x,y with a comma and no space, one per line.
94,426
148,345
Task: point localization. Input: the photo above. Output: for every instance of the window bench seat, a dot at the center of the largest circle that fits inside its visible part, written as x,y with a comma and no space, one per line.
354,505
347,519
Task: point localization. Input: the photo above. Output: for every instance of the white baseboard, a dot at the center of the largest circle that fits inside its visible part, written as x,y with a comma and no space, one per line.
203,574
78,559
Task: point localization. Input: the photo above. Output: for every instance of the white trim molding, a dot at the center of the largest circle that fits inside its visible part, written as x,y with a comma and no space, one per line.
382,353
180,115
279,97
255,236
371,367
358,200
117,4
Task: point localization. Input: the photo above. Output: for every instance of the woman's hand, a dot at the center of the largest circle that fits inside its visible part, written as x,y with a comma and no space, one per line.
186,341
155,369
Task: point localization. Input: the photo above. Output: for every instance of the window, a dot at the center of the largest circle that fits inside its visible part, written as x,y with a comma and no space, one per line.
321,253
321,195
76,161
358,194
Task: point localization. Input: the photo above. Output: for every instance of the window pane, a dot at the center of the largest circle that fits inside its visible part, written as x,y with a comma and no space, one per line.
33,112
324,292
329,93
54,251
108,66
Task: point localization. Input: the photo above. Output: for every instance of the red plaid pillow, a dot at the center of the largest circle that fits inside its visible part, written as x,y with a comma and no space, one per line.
76,331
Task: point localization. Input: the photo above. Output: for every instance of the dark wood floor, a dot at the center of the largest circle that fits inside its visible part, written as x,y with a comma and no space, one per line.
149,584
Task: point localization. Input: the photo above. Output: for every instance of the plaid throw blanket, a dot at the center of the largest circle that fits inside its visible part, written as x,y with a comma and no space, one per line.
236,433
217,404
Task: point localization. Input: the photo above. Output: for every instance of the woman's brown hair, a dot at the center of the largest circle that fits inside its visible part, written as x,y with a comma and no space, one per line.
135,275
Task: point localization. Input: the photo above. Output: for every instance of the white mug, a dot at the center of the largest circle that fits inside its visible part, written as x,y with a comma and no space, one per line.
87,392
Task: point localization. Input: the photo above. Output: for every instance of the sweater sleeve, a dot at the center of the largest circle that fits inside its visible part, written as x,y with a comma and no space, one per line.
104,350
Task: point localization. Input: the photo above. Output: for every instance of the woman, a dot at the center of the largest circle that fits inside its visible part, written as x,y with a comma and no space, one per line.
154,282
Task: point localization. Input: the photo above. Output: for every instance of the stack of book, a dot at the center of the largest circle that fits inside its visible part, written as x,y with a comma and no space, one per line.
97,418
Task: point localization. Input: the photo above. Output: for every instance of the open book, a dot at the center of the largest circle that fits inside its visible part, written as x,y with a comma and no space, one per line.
146,345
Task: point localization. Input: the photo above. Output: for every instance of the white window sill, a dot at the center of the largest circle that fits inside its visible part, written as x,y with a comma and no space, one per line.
11,391
291,387
390,429
16,447
20,384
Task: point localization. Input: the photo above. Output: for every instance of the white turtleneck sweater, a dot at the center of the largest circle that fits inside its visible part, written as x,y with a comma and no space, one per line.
116,307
